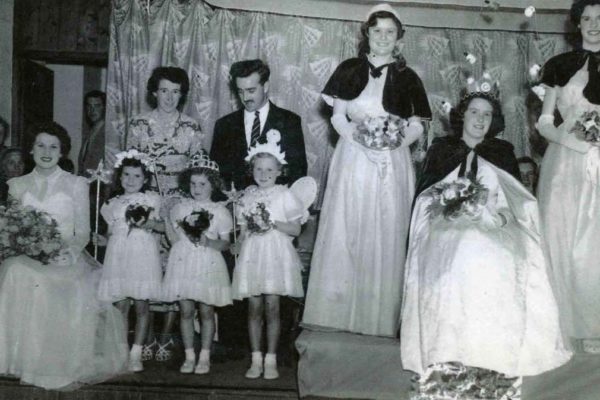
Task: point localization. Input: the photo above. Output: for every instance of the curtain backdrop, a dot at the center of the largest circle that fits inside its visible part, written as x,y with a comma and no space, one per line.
302,53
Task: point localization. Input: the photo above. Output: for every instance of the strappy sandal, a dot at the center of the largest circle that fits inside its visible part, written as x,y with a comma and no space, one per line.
163,353
148,351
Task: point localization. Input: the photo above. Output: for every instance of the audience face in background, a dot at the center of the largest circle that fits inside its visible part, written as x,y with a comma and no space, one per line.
13,164
94,110
252,93
528,169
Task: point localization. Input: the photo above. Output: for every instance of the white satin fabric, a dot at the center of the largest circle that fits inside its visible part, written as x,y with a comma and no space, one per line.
478,295
53,331
568,193
356,274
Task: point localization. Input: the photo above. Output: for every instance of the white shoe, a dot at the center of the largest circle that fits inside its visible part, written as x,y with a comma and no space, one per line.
255,370
270,369
202,368
187,367
135,365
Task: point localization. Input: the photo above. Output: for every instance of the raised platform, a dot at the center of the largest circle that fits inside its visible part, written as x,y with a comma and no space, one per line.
344,365
162,381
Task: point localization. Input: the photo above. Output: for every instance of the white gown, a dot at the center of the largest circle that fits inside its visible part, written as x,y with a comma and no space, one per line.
356,274
198,272
53,331
132,265
480,296
569,196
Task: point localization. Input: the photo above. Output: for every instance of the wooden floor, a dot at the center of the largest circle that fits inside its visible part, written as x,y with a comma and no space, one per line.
577,380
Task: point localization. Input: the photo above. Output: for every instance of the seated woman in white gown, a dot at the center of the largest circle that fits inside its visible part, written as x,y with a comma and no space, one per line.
477,291
53,331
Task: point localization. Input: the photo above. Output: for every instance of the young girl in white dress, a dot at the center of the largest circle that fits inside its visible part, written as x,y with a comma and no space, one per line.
268,265
132,267
196,271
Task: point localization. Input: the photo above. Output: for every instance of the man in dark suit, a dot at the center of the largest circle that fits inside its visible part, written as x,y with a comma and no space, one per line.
236,132
90,154
92,147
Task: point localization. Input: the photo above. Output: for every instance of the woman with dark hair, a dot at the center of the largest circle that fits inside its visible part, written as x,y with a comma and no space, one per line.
447,152
476,291
170,138
166,134
569,183
357,267
54,333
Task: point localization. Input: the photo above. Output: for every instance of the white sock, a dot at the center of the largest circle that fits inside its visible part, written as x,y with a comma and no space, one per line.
257,357
204,355
271,358
190,354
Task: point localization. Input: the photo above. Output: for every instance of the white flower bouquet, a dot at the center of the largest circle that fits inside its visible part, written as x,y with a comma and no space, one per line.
30,232
258,219
587,127
384,132
463,196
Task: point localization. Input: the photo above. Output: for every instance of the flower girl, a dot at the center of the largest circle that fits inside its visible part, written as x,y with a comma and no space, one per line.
268,267
196,271
132,264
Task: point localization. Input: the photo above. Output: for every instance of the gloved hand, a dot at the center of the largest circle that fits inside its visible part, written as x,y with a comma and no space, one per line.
412,133
545,125
344,127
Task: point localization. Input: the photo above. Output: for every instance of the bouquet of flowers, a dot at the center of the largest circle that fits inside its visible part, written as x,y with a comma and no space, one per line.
381,132
587,127
137,214
464,196
30,232
194,225
258,219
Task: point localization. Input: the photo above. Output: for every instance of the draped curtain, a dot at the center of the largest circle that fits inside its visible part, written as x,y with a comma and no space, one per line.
302,53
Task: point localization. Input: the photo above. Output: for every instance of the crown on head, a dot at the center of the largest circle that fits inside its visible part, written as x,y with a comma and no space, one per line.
484,86
134,155
201,160
271,147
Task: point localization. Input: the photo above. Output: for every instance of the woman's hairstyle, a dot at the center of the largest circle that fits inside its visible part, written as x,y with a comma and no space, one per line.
53,129
457,114
213,176
576,11
172,74
363,46
117,188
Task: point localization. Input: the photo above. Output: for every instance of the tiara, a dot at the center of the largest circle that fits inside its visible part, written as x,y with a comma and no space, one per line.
483,86
201,160
135,155
271,147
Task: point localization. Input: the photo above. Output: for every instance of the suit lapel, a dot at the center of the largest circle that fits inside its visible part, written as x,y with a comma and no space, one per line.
272,122
240,138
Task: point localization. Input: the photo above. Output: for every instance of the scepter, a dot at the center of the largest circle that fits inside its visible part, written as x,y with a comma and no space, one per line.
232,197
98,175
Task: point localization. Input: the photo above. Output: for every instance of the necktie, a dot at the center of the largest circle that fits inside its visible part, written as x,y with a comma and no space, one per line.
255,134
